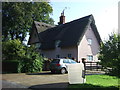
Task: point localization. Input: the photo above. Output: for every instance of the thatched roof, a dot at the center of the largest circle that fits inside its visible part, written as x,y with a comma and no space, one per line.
70,34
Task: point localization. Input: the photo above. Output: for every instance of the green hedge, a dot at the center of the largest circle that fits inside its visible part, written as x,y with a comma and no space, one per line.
10,66
30,64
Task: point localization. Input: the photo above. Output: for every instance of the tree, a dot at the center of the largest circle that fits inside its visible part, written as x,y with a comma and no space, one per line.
28,59
17,18
110,53
12,50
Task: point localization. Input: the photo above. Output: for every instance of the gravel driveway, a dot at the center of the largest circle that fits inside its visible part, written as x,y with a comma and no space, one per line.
38,80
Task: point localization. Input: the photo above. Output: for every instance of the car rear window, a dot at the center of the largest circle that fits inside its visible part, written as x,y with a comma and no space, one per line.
66,61
73,61
55,61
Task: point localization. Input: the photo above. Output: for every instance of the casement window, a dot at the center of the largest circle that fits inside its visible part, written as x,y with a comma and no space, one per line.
69,55
90,58
57,43
89,41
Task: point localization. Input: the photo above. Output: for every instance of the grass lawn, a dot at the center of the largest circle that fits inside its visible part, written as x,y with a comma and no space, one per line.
98,81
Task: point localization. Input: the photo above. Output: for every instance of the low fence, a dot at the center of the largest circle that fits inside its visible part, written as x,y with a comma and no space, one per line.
92,66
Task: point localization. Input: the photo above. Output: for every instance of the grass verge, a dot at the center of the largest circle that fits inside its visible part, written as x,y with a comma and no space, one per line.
98,81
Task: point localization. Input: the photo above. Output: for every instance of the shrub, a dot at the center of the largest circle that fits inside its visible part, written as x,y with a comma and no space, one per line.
27,58
32,62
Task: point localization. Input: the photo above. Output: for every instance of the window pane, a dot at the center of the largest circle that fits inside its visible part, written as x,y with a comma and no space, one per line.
38,45
66,61
73,61
90,57
57,43
89,41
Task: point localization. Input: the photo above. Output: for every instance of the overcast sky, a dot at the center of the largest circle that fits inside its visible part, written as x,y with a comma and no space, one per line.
105,13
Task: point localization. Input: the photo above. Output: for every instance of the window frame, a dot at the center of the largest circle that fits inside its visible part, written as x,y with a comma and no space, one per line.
57,43
66,61
89,40
38,45
90,57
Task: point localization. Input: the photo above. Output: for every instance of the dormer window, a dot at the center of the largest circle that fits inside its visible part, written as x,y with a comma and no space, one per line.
38,45
57,43
89,41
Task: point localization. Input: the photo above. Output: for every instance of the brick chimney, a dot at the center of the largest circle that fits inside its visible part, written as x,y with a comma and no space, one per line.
62,18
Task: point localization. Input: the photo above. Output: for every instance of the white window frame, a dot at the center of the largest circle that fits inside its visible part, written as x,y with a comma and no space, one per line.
90,57
89,41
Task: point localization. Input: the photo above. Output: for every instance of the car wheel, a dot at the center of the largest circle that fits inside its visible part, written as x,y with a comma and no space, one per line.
63,71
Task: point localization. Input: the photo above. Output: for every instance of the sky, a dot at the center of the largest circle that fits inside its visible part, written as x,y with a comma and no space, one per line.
105,13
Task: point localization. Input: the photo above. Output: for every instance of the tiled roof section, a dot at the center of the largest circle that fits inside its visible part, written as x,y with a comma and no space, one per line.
70,34
42,26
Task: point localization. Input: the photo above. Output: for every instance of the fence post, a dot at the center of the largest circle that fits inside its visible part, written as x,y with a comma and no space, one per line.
97,66
91,65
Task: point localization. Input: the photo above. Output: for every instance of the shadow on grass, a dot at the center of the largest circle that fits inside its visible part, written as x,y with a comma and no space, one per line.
91,87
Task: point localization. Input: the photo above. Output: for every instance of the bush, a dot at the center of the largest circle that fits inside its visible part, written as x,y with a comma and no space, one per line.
32,62
27,59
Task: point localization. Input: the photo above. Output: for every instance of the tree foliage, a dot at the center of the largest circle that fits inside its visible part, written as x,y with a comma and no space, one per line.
28,58
12,50
17,17
110,53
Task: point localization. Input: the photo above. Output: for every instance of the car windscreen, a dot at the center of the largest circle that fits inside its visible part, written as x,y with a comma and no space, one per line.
55,61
